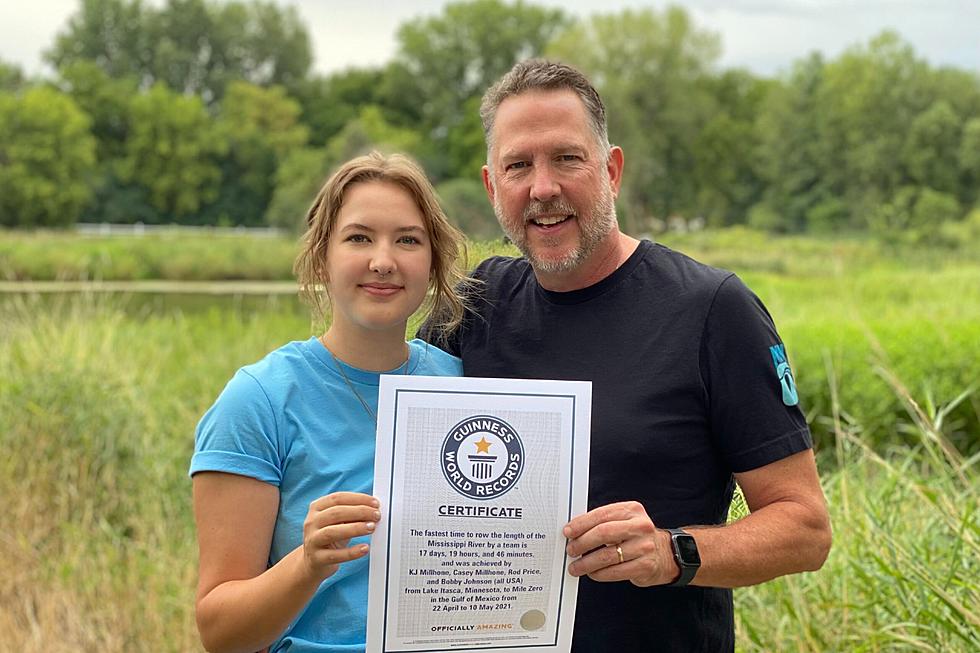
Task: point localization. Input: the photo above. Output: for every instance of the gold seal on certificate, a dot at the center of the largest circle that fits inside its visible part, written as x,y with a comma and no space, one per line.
476,478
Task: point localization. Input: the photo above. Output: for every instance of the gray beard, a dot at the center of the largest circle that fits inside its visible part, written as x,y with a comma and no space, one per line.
593,228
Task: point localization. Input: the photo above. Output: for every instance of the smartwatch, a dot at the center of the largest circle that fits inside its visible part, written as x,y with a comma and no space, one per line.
686,554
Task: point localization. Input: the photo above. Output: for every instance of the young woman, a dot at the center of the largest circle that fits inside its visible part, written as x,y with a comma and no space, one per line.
284,459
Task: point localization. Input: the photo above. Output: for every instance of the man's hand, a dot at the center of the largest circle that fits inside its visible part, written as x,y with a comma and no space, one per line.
620,542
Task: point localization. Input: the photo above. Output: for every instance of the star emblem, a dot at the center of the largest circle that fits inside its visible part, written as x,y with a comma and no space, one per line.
482,446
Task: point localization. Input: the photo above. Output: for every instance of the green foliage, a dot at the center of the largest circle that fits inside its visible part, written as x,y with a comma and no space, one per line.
172,151
657,105
449,59
850,143
298,180
931,149
790,151
112,33
105,100
914,215
866,105
371,131
11,77
765,218
969,158
902,574
964,234
262,128
100,399
329,103
465,202
303,173
193,46
46,152
97,415
55,256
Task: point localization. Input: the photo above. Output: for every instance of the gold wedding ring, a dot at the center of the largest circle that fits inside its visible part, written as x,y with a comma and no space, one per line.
619,552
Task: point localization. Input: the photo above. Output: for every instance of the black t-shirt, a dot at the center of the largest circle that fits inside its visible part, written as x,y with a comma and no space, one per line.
684,393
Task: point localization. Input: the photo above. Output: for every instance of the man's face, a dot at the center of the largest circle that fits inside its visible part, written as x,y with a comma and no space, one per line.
552,188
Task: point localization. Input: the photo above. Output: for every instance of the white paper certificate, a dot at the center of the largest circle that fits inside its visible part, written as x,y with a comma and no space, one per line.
476,479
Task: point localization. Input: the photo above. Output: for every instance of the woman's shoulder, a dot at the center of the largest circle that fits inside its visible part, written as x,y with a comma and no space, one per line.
433,361
281,367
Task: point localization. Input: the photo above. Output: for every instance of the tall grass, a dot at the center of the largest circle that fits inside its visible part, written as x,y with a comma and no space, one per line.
99,398
904,572
97,411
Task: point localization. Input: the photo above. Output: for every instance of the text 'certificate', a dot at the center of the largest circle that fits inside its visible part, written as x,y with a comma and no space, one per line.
476,479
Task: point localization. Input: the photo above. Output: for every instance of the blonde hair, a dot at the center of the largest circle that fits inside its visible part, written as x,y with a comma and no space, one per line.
445,305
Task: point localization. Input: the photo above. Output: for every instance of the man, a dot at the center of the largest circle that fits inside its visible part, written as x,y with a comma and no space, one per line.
691,387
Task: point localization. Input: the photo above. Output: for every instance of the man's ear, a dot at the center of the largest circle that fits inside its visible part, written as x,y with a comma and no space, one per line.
615,168
488,184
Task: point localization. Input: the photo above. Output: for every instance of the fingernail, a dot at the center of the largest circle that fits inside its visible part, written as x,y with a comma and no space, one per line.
363,548
370,526
377,515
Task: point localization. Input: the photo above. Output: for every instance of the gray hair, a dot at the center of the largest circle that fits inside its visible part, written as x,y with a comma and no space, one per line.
542,75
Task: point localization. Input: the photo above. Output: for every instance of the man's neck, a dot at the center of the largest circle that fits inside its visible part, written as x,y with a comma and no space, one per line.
606,259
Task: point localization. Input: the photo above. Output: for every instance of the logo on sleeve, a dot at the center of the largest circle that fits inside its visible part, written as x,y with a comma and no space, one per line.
482,457
784,374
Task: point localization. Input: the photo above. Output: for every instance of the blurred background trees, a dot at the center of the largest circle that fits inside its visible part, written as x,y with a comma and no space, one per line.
200,112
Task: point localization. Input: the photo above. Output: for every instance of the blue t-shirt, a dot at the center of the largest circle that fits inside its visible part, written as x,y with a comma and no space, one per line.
292,421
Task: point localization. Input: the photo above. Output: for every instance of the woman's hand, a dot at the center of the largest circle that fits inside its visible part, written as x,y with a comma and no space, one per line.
330,524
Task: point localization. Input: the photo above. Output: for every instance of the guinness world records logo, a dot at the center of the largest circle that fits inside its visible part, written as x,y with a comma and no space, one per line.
482,457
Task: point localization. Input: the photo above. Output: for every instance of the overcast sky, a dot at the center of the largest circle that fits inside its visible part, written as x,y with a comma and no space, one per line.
765,36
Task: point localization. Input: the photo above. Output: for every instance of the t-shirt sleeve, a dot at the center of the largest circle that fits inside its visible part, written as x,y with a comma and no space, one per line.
754,407
239,434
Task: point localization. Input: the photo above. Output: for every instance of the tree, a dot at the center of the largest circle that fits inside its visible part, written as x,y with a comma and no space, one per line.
865,106
305,170
652,69
46,153
298,179
172,152
114,34
200,48
465,203
329,103
105,100
931,148
914,215
193,46
790,158
446,60
969,160
726,170
11,77
262,128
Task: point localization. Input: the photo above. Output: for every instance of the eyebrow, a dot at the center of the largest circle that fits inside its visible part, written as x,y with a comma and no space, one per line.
363,227
519,152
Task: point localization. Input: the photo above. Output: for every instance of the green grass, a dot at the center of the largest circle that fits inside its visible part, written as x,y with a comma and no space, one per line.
64,256
177,256
97,413
99,398
903,572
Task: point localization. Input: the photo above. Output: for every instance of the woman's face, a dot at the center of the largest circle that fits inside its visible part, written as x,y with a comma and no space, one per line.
379,259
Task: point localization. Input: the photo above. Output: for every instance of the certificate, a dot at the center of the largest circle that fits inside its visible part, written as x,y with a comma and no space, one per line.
476,479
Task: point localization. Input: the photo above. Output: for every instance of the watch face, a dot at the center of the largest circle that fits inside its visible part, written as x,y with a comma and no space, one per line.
687,549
